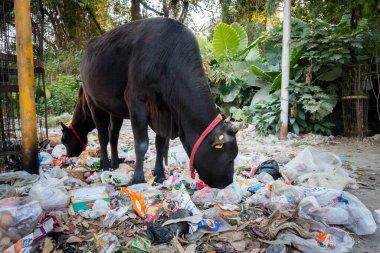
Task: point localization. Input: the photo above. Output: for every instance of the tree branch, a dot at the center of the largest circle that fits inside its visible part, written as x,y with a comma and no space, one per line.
92,15
184,11
146,6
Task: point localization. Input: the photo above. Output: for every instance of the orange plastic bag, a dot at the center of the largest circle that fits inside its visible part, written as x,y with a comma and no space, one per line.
138,202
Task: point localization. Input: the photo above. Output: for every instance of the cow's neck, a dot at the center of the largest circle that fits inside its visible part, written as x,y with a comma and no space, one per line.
193,121
82,122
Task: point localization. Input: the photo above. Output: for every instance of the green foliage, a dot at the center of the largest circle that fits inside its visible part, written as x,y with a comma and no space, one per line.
227,66
64,95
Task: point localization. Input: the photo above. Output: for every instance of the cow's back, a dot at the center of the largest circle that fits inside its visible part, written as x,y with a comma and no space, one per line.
145,59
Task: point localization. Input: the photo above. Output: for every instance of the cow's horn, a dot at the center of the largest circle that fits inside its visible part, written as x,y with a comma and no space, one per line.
236,127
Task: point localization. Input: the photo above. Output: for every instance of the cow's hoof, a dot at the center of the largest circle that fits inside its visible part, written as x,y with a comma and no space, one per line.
159,179
137,180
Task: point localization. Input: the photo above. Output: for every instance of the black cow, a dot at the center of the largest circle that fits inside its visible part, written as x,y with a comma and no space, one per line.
150,71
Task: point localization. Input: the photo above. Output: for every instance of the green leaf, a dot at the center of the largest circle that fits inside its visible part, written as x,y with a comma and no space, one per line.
243,36
331,75
257,71
225,40
276,85
292,120
295,56
296,128
230,92
253,44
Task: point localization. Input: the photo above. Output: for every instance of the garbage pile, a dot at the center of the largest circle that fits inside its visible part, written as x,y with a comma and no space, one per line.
270,207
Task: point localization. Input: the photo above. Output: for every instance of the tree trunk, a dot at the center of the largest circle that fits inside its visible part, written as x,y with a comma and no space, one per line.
285,71
135,10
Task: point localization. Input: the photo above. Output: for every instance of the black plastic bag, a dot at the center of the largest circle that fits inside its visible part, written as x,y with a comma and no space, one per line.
160,234
270,167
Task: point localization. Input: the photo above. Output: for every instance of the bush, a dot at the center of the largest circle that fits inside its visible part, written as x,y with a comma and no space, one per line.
63,95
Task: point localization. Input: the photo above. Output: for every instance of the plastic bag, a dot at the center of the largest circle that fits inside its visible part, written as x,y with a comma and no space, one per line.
311,160
260,198
264,178
45,159
59,151
232,194
205,196
159,233
6,191
270,167
323,179
284,196
114,178
23,178
100,208
50,192
341,240
337,207
18,218
108,243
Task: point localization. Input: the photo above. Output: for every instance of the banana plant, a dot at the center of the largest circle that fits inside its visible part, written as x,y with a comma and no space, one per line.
274,77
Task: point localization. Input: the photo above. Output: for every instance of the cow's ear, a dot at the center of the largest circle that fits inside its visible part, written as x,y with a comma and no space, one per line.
64,128
221,139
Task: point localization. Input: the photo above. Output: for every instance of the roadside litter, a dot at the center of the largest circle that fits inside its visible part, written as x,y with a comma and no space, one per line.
270,206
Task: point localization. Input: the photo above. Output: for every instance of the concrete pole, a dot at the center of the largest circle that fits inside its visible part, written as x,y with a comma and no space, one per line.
285,71
25,76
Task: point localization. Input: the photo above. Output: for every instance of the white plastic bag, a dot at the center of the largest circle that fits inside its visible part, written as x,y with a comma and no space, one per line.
100,208
337,207
59,151
50,192
342,241
324,179
311,160
46,159
115,178
232,194
284,196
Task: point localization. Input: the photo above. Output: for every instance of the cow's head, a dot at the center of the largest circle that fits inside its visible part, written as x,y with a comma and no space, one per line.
214,160
71,142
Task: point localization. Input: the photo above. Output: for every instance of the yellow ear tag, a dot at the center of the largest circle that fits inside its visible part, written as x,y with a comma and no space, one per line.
218,146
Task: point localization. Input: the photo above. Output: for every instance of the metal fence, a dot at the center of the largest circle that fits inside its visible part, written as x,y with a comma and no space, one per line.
10,125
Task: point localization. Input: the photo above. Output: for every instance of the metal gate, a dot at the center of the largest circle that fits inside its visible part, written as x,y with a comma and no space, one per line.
10,125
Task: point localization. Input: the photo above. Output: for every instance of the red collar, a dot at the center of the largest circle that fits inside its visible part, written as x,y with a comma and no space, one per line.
200,140
77,136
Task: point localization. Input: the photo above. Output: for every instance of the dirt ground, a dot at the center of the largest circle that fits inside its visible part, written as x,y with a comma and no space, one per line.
360,156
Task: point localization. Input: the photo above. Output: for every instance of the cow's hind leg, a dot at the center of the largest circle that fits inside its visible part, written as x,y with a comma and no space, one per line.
162,150
114,131
139,122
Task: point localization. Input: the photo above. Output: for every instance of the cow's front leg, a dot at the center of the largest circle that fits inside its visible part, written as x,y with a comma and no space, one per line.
139,121
161,148
102,121
115,127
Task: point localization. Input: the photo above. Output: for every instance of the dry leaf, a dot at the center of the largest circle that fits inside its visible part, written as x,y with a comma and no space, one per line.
47,245
74,239
85,224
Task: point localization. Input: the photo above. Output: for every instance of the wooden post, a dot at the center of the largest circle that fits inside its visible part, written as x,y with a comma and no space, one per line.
285,71
25,76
